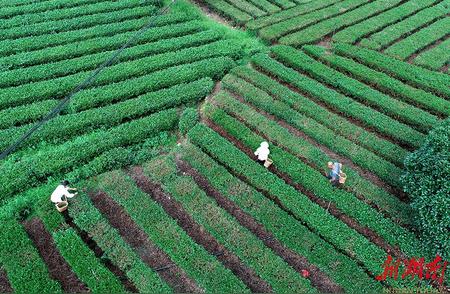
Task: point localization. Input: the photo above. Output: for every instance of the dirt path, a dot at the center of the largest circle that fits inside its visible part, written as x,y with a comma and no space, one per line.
198,233
318,279
139,241
330,207
5,286
59,269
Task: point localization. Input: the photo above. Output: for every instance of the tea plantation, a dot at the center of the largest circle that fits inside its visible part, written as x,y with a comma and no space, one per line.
160,144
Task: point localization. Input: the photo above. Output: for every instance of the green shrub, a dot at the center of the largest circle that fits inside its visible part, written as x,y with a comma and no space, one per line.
292,233
161,229
164,29
343,104
84,263
188,119
316,32
401,111
355,33
40,7
26,270
403,28
382,81
126,10
427,181
35,169
225,228
61,68
420,40
89,219
287,14
65,127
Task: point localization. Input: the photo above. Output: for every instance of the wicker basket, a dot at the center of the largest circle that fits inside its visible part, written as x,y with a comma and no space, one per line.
342,178
62,206
268,162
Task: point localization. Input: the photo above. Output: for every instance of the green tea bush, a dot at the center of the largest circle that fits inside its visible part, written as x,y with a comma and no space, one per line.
84,263
427,181
188,119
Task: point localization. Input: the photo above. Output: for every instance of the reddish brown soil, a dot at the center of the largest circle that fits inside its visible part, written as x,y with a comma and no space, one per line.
59,269
100,254
330,207
5,287
198,233
318,279
138,239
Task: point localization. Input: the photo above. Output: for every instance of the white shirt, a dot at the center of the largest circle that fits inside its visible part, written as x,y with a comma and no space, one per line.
59,192
262,153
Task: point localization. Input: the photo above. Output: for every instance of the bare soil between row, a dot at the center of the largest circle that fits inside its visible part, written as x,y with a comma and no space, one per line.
139,241
58,268
330,207
318,279
198,233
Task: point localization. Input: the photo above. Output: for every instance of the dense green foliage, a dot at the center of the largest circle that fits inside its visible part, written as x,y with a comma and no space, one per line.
417,76
305,150
356,32
162,230
34,169
427,181
188,119
225,229
419,40
382,81
189,100
302,207
26,270
295,235
89,219
397,30
310,179
401,111
84,263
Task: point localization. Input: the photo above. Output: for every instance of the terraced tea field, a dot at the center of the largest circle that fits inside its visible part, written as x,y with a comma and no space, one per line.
160,144
414,31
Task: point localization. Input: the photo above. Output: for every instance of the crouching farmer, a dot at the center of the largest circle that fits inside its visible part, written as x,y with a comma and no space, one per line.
336,176
263,154
60,195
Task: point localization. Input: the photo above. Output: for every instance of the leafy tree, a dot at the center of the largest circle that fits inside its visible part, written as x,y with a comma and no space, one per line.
427,181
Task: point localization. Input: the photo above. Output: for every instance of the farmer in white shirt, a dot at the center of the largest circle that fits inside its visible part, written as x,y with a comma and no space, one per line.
263,152
62,191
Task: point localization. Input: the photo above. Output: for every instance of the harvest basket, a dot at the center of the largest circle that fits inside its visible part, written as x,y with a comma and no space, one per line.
268,162
342,178
62,206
